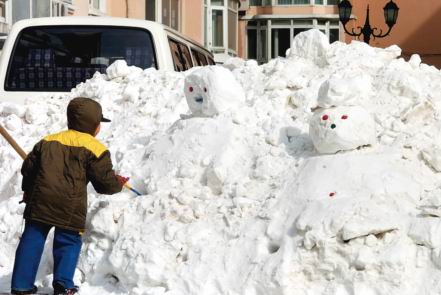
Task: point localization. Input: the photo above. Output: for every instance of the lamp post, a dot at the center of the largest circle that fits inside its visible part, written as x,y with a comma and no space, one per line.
390,17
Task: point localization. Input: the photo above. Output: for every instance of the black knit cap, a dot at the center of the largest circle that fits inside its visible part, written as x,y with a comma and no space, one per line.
84,115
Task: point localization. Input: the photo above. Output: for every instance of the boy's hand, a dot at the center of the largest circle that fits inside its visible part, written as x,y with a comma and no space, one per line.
122,180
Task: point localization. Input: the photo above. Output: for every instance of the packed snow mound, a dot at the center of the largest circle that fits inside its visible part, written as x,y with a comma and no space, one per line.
348,89
212,90
342,128
241,200
311,45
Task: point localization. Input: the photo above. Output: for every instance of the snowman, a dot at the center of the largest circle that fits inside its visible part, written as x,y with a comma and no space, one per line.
212,90
338,124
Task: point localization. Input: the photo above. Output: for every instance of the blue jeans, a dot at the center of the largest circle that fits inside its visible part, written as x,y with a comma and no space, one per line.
66,251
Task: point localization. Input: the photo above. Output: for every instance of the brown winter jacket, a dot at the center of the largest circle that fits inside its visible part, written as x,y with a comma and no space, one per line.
56,172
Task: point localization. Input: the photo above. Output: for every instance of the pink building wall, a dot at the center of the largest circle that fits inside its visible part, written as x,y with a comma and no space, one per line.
81,7
126,8
192,19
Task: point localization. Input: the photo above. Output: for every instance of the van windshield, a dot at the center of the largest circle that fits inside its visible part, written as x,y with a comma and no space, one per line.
57,58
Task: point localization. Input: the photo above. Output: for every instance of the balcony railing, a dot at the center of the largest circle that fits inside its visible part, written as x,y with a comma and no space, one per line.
292,2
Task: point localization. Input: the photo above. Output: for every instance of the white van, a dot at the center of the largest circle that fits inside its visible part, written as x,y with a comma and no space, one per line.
55,54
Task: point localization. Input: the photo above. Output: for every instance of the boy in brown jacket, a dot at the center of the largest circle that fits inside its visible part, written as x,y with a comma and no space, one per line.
55,178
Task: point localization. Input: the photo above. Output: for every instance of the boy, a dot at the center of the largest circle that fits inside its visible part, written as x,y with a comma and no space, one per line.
55,177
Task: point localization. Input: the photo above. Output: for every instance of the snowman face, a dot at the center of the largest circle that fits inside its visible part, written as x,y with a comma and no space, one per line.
341,128
197,94
331,121
212,90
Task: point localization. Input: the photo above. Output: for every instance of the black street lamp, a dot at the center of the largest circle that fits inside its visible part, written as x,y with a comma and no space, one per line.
390,16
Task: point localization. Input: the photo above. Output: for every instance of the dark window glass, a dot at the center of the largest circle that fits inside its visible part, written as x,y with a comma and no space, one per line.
199,57
176,55
186,56
252,44
150,13
181,55
299,30
334,35
57,58
195,57
280,42
202,58
211,61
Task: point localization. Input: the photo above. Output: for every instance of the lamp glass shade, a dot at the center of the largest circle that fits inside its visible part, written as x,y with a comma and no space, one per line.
391,13
345,11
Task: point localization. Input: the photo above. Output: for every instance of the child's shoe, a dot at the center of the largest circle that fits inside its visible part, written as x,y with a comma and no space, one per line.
60,290
32,291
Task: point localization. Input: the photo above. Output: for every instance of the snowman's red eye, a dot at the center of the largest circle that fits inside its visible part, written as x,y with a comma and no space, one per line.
190,89
325,117
344,117
205,89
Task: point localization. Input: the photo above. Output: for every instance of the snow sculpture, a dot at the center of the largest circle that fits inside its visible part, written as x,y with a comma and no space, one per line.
212,90
312,45
341,128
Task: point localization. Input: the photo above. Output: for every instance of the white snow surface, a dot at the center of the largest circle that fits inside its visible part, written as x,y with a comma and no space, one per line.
242,203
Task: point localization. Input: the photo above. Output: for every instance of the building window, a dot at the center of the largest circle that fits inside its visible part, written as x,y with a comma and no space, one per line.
21,9
280,42
221,26
41,8
292,2
150,10
280,34
257,46
217,25
205,24
96,7
334,35
2,10
232,24
24,9
252,43
58,8
260,3
170,13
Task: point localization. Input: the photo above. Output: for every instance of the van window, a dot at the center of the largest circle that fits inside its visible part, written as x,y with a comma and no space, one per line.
57,58
177,56
186,55
211,61
199,57
181,55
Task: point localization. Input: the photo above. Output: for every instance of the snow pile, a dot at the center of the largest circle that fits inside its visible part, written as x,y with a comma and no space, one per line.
248,189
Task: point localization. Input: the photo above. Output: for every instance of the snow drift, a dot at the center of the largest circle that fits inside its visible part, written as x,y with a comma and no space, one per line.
242,202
